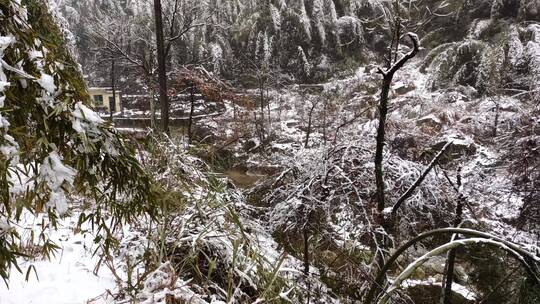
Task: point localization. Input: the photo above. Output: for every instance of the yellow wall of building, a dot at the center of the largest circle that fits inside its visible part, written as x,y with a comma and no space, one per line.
106,94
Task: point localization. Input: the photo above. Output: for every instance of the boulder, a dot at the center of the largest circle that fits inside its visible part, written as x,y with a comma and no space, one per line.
250,144
430,121
403,88
458,149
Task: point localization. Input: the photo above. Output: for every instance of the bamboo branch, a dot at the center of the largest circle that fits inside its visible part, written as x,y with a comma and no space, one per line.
439,250
529,261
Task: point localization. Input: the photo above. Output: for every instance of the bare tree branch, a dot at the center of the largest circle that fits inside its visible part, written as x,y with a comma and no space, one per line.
420,179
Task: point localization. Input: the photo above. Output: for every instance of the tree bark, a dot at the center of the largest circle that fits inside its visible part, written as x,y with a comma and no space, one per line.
306,260
162,73
388,75
191,110
420,179
112,107
449,277
381,131
261,89
308,131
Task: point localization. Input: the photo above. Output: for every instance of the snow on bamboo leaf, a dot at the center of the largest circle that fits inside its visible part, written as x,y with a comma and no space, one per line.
56,175
47,82
5,41
84,119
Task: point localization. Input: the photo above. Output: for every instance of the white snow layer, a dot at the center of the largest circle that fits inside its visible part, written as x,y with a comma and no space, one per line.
66,279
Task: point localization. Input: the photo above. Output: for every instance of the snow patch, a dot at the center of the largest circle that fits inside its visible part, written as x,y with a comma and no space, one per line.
47,82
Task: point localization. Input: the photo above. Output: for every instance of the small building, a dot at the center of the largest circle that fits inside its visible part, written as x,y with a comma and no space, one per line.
102,99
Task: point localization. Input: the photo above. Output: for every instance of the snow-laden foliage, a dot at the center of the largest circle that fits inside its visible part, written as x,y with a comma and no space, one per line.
494,53
326,195
53,146
489,65
334,186
327,30
350,31
312,232
208,248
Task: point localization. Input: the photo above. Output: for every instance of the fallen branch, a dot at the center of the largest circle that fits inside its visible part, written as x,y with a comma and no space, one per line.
420,179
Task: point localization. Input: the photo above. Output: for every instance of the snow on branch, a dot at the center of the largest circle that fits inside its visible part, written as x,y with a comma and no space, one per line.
420,179
398,65
527,259
408,271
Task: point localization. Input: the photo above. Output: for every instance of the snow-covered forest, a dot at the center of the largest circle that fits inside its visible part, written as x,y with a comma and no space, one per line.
270,151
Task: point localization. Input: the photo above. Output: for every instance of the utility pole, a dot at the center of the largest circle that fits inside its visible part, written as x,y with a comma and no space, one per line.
162,73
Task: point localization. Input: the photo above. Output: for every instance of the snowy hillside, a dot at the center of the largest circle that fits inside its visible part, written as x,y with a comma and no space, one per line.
332,151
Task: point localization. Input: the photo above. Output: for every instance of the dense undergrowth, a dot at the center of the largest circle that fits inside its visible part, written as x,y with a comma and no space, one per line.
174,231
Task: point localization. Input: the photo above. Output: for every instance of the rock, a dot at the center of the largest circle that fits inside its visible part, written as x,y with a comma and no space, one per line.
291,123
467,92
203,132
367,100
458,149
452,97
429,293
311,88
406,146
249,145
430,121
435,265
403,88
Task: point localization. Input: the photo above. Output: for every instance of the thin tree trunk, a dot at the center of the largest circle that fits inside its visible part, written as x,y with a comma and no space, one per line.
269,111
381,131
388,75
162,73
452,253
496,124
306,259
325,126
191,110
382,239
420,179
153,123
261,89
308,131
112,107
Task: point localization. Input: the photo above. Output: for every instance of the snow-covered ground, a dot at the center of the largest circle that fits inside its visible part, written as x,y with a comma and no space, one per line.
67,278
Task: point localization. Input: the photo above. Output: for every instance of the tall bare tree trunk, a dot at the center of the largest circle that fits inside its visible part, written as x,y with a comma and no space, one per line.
269,112
496,123
191,110
382,240
381,131
449,277
261,89
306,260
310,122
388,75
112,107
152,100
162,73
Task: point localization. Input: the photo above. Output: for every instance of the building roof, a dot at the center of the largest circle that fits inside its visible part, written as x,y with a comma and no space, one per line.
103,89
